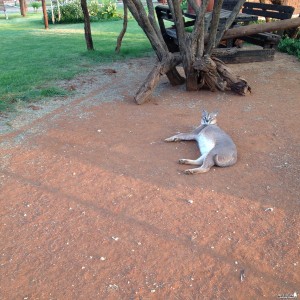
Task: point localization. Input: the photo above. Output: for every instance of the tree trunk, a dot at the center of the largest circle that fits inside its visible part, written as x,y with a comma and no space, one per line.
150,28
45,15
23,7
163,67
87,26
123,31
195,47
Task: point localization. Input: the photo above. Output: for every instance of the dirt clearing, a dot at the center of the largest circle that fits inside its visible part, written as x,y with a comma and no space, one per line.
95,206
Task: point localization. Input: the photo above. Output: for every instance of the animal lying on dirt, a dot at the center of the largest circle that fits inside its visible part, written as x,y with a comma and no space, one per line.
216,146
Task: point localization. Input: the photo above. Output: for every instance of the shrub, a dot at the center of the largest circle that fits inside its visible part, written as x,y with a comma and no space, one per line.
35,5
94,8
290,46
71,12
108,10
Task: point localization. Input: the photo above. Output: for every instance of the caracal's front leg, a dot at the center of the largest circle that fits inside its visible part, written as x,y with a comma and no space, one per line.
182,137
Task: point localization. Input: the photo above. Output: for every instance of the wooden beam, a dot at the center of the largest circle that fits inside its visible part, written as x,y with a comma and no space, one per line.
264,27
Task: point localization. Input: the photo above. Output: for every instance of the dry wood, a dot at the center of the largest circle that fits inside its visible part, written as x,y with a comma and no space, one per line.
229,21
167,66
216,75
234,82
242,55
214,26
200,70
257,28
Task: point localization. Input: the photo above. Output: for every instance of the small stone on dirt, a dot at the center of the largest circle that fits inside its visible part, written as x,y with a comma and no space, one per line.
34,107
109,71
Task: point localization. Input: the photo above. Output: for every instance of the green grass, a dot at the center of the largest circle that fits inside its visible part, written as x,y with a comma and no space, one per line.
32,58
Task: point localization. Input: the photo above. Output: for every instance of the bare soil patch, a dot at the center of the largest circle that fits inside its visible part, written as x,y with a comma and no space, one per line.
95,206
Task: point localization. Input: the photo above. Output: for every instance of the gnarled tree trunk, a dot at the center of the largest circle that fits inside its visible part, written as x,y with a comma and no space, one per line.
196,48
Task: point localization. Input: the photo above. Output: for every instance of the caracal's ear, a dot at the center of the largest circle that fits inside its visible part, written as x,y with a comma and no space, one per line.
204,113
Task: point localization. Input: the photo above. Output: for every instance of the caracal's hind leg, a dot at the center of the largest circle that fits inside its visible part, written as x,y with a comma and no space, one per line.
196,162
181,137
208,162
225,161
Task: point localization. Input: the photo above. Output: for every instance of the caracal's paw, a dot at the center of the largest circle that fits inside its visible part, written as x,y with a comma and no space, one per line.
189,172
172,139
183,161
195,171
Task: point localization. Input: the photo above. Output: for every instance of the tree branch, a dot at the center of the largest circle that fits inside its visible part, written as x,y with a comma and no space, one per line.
198,34
161,68
123,31
179,22
152,19
214,26
139,13
229,21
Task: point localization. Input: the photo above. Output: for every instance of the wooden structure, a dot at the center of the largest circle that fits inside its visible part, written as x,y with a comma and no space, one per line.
200,68
231,54
229,4
279,12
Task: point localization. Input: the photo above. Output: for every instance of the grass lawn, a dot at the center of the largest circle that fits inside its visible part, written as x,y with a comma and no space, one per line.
32,58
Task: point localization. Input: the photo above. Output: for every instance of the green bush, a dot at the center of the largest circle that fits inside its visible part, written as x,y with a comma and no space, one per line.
71,12
36,5
290,46
108,10
94,8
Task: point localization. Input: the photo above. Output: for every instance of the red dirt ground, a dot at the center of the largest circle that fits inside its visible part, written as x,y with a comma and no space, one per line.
95,206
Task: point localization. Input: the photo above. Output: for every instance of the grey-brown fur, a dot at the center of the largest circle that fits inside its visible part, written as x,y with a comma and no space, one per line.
216,146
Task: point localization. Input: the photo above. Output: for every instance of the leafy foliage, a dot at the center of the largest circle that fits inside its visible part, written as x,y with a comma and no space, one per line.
71,12
290,46
35,5
108,10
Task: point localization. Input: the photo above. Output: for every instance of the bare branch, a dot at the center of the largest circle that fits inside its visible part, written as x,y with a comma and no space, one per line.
161,68
153,22
214,26
139,13
230,20
179,22
200,16
123,31
197,36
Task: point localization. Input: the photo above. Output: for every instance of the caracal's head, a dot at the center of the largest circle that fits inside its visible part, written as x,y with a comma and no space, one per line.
209,118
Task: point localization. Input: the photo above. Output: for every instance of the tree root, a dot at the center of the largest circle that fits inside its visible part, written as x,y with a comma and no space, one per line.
215,75
166,67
